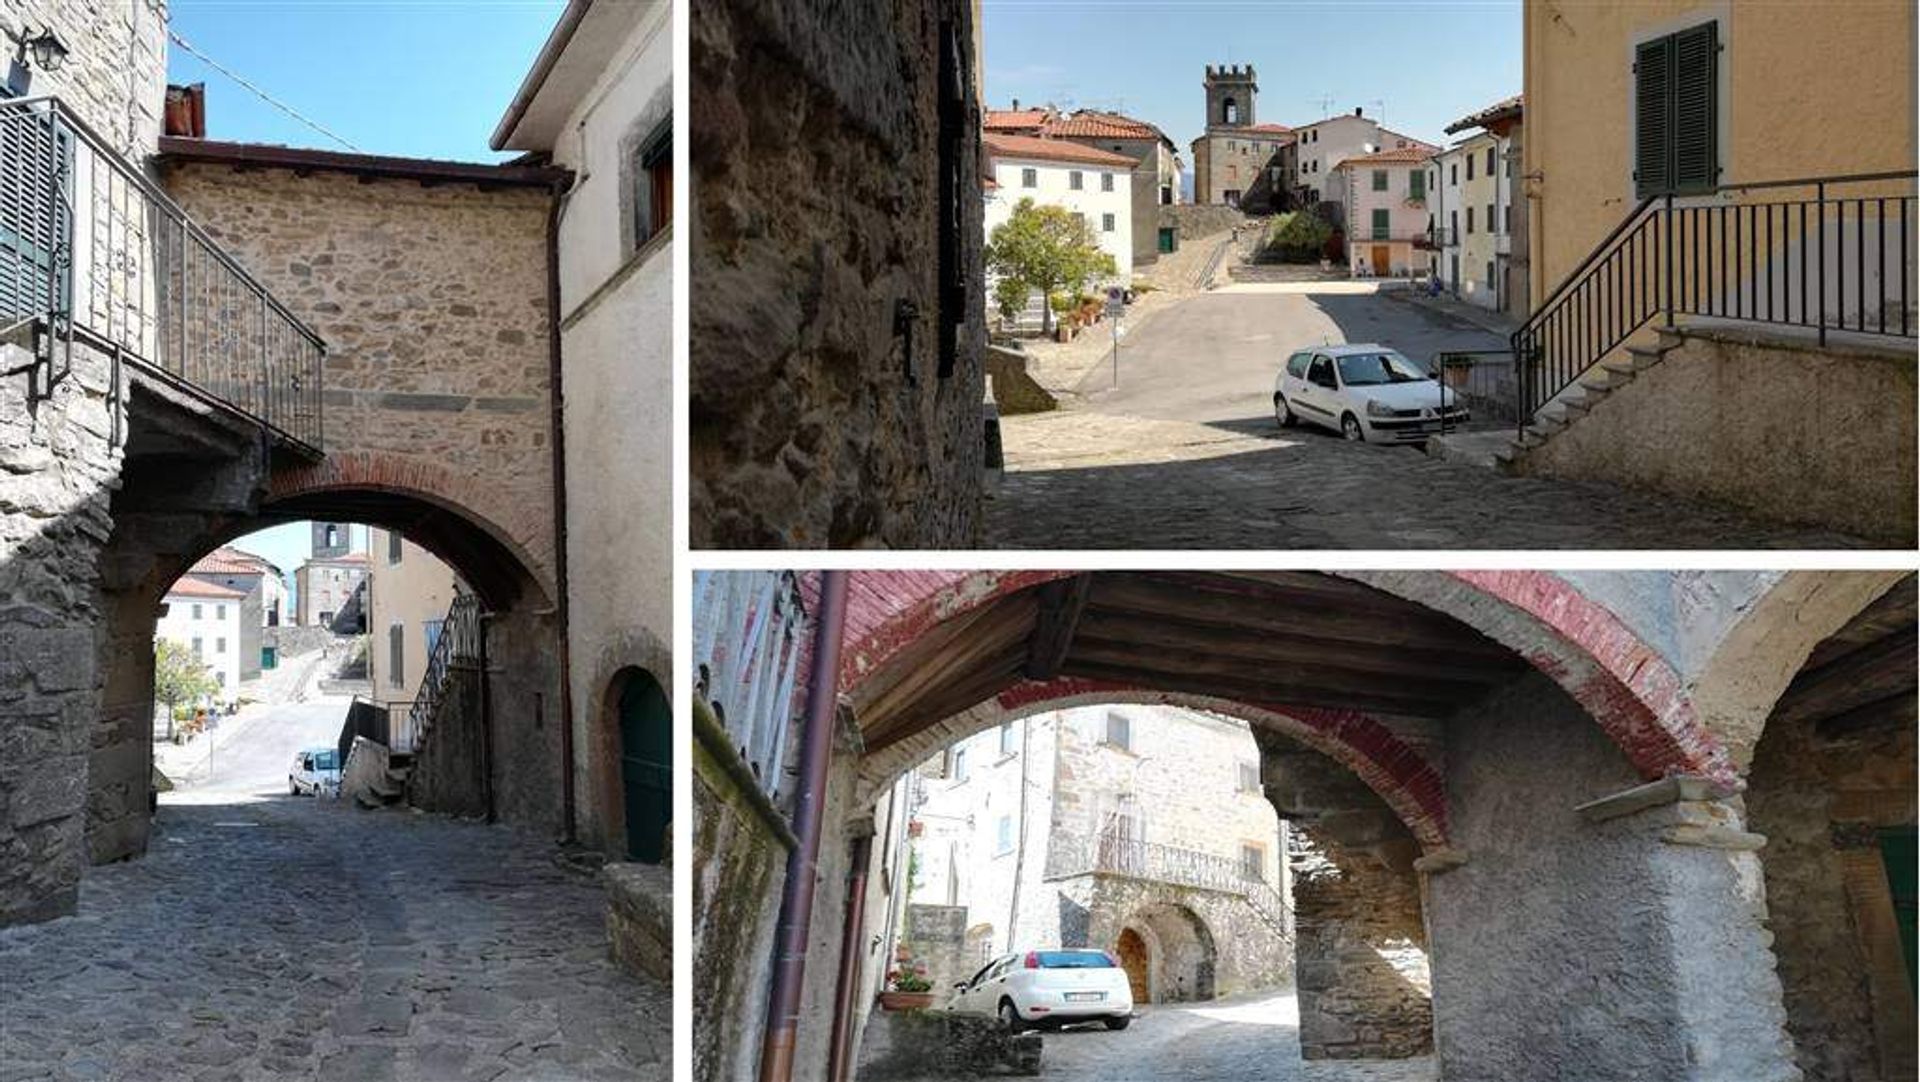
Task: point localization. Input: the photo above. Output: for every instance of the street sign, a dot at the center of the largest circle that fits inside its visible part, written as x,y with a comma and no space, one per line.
1116,302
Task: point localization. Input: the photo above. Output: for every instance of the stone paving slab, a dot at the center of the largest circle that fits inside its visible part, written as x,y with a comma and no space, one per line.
1084,479
301,939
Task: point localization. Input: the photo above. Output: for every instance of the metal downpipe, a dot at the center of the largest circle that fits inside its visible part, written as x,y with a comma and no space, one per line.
809,806
859,854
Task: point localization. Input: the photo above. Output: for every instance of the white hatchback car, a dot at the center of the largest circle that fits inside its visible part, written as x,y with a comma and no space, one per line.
316,771
1049,988
1365,392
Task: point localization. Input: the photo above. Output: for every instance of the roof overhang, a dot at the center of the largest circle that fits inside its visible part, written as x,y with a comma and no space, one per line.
577,54
304,160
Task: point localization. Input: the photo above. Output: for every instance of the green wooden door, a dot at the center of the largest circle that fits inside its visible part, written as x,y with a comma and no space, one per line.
1897,851
646,765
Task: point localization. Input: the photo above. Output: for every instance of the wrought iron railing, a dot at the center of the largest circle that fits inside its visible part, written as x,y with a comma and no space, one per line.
1070,854
749,628
1484,381
462,640
1826,254
93,251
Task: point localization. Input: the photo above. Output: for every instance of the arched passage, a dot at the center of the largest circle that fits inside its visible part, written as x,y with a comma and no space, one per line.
1175,953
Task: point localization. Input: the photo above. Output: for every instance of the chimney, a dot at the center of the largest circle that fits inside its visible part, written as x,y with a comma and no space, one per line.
186,112
1016,105
1356,110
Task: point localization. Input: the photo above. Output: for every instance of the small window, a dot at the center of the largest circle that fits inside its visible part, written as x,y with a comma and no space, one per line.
333,536
1453,218
1029,178
1507,225
1454,174
960,764
1676,112
1003,836
1253,862
220,678
397,655
1490,219
1106,182
1469,220
430,631
1119,731
1106,223
1469,167
394,546
199,647
326,618
220,644
651,183
1379,180
1008,744
1417,184
1249,777
198,612
220,612
1075,179
1382,224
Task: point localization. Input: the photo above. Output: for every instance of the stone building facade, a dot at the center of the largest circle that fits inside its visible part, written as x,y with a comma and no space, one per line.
836,339
1239,162
408,593
1137,830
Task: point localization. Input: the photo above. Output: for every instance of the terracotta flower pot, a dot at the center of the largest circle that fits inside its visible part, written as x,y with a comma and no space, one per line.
905,1001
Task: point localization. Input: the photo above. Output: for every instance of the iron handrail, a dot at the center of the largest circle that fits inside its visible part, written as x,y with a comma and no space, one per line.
159,292
460,638
1071,854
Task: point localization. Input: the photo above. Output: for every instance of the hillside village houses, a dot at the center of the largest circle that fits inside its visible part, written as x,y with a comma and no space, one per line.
1140,830
205,618
1094,183
263,601
1477,227
1324,144
1384,196
1156,168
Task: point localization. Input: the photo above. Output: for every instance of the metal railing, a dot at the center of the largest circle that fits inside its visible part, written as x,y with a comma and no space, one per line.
1484,381
93,251
1826,254
462,639
1072,854
749,629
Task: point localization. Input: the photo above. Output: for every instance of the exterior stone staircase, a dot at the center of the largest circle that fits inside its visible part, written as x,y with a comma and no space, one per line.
1574,403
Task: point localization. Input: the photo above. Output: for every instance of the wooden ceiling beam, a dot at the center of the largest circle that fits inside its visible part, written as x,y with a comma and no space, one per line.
1061,602
1875,671
1892,611
1270,694
1156,659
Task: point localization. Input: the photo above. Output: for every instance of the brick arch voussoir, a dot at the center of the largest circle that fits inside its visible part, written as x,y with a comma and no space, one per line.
1397,772
522,528
1628,688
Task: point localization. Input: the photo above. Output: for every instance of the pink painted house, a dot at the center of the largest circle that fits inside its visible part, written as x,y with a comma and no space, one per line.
1385,196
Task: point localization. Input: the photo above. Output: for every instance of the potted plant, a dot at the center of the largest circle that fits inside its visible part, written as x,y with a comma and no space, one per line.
908,988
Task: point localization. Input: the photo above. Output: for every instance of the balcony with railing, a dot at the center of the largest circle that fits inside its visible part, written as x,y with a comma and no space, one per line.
93,253
1071,854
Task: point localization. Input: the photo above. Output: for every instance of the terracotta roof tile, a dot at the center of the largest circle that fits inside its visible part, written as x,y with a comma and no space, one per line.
1404,156
1499,110
1015,120
1001,145
192,587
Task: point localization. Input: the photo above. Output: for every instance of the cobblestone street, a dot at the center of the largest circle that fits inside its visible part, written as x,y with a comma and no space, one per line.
1249,1037
293,938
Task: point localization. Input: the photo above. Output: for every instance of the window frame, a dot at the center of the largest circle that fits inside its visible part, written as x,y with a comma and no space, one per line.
1711,121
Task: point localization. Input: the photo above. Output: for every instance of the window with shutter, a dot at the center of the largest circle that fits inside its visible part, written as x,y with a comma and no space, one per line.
1676,112
36,227
1417,184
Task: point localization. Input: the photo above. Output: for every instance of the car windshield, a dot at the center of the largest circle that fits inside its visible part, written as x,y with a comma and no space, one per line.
1372,369
1075,960
323,760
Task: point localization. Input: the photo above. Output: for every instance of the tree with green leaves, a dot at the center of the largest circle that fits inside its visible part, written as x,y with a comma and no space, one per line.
1047,248
1299,236
178,677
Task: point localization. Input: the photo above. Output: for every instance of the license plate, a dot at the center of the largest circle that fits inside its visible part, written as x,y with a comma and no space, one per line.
1085,997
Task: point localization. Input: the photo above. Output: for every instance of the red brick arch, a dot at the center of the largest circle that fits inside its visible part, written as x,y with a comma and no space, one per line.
1397,772
522,530
1628,688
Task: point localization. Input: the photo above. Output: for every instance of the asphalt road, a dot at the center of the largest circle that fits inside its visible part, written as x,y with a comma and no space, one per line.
248,756
1212,359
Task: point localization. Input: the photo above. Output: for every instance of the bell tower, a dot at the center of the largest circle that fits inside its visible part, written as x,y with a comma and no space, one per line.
1230,93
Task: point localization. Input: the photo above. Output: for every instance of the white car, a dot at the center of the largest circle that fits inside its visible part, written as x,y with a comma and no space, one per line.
1365,392
316,771
1049,988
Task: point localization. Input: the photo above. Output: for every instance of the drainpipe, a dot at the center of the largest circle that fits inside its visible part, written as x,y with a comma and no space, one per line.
557,438
796,897
840,1061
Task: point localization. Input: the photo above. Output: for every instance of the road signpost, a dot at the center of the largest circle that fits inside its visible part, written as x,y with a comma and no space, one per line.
1116,311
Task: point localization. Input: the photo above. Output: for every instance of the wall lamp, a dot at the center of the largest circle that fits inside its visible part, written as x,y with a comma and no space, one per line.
49,52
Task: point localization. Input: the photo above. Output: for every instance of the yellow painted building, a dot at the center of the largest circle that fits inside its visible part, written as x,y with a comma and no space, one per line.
1804,89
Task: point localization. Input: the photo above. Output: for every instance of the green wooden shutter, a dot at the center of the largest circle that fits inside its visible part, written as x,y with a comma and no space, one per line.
1696,165
1652,73
1380,225
1417,184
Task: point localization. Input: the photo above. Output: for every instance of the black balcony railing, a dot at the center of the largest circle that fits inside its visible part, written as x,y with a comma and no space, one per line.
1484,381
1070,854
1829,255
93,251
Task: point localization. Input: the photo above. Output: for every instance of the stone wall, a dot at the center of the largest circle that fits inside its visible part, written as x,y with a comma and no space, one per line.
1571,945
1196,220
817,414
1360,954
433,305
449,772
1820,803
1777,426
58,465
739,867
936,936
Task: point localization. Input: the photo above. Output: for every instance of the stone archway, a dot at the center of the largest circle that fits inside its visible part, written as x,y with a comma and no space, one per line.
1130,950
1181,956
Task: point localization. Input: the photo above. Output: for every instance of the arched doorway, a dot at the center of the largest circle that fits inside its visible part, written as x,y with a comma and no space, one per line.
646,762
1178,953
1132,953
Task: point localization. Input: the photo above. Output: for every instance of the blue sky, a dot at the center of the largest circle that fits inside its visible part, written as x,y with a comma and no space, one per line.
1431,63
419,78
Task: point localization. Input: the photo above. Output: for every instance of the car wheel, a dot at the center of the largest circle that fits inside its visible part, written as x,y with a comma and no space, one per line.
1119,1023
1010,1017
1283,412
1350,428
